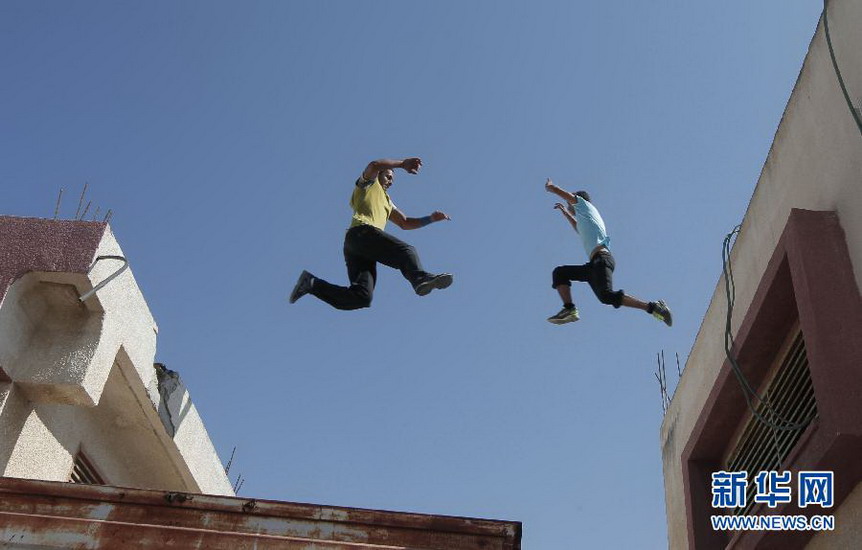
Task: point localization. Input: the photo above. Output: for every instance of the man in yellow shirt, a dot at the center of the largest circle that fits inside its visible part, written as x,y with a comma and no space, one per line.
366,244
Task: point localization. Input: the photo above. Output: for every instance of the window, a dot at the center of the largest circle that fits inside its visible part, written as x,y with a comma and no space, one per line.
83,471
790,394
798,338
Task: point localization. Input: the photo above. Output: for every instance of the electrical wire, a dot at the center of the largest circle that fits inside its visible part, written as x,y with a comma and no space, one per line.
110,277
750,394
779,423
838,70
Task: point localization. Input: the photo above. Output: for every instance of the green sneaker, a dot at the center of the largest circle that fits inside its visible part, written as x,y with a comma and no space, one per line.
661,312
564,316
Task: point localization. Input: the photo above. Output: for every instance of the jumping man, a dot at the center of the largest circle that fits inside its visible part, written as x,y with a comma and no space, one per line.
366,244
588,223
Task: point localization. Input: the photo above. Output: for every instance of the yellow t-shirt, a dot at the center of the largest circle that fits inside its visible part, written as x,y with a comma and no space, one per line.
371,205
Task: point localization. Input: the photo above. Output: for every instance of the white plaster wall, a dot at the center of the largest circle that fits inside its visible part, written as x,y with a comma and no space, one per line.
122,437
197,450
62,350
15,411
84,379
38,453
128,323
47,337
815,163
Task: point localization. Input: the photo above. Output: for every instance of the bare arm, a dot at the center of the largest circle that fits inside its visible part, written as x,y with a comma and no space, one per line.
562,193
568,215
398,218
411,165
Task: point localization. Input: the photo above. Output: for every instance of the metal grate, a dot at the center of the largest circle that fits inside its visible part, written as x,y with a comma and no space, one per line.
83,471
791,396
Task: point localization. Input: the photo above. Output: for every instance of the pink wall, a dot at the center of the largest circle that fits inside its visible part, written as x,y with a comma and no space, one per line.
35,244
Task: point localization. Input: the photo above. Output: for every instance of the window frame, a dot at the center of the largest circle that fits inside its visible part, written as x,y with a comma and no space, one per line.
809,279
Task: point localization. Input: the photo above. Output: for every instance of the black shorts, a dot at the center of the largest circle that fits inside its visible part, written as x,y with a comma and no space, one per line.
599,273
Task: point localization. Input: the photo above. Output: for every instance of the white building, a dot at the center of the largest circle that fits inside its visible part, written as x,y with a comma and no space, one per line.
80,397
82,401
796,324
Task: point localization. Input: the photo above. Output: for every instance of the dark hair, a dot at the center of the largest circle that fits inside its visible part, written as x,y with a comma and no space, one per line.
584,195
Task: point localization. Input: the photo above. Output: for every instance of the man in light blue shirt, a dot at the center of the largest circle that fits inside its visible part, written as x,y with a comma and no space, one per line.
598,272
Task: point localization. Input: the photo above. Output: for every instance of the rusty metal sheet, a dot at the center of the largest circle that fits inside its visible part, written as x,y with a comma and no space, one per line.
45,514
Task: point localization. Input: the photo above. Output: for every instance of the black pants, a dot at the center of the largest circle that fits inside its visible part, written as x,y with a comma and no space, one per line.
599,273
364,246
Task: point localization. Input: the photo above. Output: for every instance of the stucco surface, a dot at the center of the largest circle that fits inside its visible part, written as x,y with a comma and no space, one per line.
51,344
33,244
82,373
815,163
29,332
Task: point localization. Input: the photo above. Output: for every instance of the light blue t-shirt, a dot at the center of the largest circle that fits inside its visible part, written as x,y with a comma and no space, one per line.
591,226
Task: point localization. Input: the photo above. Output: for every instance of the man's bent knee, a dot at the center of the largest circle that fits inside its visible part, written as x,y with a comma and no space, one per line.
611,298
361,298
558,278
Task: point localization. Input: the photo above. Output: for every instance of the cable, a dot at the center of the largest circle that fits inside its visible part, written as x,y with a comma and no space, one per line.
748,392
837,70
110,278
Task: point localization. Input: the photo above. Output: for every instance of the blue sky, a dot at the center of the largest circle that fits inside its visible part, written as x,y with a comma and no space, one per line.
225,137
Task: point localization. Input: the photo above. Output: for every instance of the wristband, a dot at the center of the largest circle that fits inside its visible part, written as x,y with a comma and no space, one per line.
425,220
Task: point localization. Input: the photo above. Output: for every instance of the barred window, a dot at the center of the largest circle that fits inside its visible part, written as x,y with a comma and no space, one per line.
83,471
789,396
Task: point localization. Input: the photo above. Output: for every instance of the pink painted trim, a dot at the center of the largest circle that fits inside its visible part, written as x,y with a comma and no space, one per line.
809,277
35,244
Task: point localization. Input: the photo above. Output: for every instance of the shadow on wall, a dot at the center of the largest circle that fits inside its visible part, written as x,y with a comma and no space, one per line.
174,404
48,338
36,441
13,415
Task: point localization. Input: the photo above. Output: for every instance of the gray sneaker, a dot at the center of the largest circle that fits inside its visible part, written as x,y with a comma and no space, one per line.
564,316
424,287
662,313
303,286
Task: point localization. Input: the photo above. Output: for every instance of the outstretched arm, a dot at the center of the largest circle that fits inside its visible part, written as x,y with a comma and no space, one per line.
568,215
562,193
398,218
411,165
